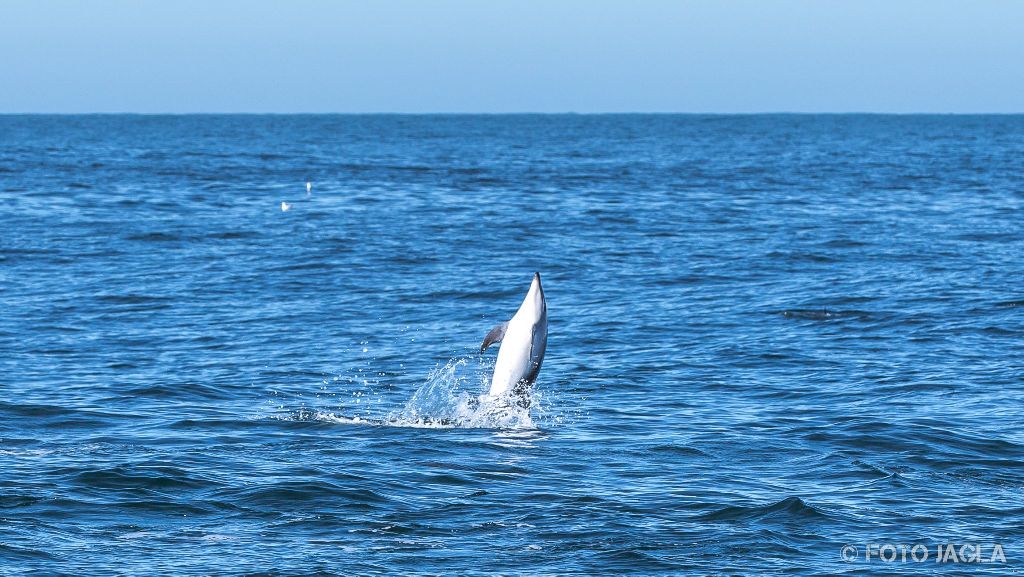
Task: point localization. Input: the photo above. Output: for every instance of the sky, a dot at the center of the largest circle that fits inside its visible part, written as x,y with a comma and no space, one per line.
496,56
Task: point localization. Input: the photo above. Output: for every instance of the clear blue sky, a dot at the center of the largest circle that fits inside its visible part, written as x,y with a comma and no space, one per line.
511,56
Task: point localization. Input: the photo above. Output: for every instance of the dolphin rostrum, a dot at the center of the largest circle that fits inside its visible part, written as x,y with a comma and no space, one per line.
523,340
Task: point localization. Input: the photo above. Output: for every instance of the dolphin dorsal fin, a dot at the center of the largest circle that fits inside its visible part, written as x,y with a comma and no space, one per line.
495,336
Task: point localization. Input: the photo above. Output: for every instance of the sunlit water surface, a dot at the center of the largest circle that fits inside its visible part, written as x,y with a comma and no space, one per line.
770,337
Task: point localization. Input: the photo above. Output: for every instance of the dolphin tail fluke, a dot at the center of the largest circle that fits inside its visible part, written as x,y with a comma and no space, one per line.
495,336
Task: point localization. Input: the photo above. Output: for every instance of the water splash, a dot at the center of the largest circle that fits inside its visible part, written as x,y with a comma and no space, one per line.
446,394
454,396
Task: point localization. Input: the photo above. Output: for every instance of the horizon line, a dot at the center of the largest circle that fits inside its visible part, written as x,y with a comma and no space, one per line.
516,113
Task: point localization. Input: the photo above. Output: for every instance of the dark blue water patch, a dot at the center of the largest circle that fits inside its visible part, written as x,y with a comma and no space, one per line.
770,336
788,510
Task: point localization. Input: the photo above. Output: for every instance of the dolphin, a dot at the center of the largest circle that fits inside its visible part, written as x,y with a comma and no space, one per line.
523,339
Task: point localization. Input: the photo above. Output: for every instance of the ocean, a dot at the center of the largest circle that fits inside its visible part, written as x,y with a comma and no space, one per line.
778,344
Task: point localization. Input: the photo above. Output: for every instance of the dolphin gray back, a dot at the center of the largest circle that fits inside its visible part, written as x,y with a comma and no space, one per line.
538,346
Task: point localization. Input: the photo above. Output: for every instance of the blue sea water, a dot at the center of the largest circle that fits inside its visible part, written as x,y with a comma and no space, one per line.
771,337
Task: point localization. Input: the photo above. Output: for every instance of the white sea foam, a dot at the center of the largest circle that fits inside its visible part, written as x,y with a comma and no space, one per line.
452,397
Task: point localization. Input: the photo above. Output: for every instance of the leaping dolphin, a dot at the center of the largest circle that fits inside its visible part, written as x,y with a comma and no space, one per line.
523,340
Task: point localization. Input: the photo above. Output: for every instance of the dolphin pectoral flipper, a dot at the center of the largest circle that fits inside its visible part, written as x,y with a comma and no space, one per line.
495,336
